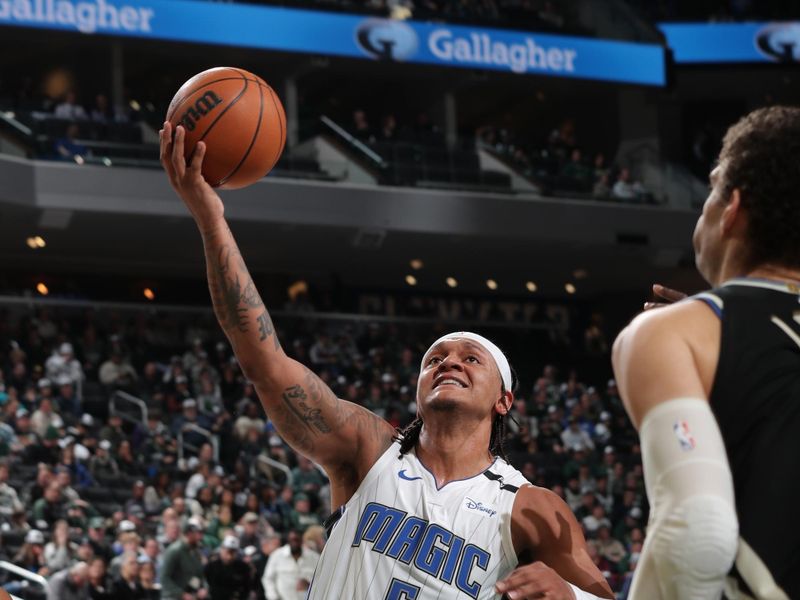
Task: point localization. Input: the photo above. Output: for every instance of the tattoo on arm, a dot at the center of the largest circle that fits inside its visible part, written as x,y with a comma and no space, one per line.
296,400
230,300
267,329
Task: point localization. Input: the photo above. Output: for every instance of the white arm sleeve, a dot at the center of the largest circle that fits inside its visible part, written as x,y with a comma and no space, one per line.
693,532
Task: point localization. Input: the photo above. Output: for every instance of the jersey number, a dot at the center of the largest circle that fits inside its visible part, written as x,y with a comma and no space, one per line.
401,590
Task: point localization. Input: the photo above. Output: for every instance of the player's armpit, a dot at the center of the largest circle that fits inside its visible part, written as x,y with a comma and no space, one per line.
544,528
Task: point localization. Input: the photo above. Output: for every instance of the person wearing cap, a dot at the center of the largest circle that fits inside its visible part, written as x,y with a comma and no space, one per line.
30,556
62,363
464,392
227,575
290,569
67,399
102,465
301,517
183,561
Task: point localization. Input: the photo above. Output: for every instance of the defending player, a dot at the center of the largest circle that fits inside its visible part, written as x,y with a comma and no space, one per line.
437,517
713,385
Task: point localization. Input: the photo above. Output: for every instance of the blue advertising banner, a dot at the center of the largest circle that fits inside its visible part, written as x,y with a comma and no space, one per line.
733,42
292,30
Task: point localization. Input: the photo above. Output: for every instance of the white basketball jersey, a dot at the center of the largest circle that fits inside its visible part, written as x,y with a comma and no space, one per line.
401,538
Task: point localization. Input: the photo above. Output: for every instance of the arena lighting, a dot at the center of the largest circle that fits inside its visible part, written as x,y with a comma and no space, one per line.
451,282
79,159
135,105
149,294
416,264
491,284
35,242
570,288
531,286
42,289
580,274
411,280
107,161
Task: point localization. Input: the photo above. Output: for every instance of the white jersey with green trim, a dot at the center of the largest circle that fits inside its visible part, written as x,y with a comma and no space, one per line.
400,537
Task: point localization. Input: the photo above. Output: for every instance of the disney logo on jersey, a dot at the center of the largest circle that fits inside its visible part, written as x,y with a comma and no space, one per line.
684,435
780,42
479,506
385,39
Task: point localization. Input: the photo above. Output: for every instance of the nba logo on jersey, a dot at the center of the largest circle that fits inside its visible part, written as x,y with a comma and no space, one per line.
684,435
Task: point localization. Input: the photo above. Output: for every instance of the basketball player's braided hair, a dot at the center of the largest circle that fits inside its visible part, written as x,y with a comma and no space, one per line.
409,435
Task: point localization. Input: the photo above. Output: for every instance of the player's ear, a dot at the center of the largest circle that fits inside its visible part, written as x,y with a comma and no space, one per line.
732,214
504,402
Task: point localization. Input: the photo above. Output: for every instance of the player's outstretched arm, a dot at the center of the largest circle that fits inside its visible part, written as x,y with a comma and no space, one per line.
544,531
337,434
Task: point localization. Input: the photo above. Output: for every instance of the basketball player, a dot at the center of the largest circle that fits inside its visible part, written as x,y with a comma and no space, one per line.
712,382
434,513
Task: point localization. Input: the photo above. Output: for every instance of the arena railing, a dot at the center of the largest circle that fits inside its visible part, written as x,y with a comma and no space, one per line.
183,446
270,462
19,572
131,400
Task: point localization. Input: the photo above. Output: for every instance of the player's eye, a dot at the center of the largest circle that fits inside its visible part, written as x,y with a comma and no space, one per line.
473,359
434,360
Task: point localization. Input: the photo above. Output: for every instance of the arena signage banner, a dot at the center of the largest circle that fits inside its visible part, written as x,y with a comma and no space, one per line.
733,42
293,30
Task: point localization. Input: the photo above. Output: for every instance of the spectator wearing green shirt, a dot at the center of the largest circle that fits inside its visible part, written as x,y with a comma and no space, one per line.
183,562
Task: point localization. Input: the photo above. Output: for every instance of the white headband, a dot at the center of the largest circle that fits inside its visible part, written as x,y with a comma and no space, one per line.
499,358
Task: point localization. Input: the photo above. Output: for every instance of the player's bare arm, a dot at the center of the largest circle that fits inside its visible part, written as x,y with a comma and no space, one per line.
343,437
664,363
552,551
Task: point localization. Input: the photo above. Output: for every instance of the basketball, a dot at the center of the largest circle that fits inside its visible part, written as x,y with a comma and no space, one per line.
240,119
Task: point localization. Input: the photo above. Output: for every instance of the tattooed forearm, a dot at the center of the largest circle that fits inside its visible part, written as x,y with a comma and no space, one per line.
296,401
267,329
231,302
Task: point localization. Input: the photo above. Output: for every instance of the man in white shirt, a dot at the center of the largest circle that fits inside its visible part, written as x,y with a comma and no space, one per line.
289,570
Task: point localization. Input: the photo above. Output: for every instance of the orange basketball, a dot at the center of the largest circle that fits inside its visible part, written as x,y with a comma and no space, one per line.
240,119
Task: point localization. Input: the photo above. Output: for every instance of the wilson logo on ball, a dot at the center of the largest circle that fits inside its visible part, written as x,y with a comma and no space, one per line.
204,105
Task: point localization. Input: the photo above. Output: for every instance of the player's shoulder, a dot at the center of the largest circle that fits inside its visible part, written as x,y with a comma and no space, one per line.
685,317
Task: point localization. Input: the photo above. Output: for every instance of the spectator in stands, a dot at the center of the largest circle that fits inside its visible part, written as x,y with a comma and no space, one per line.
182,562
151,589
575,175
45,417
250,529
117,371
301,517
63,362
314,538
9,500
101,111
68,147
60,553
70,584
290,569
126,586
102,465
388,131
575,438
31,555
50,508
601,189
306,477
69,108
361,128
625,188
97,539
126,461
251,419
98,580
228,576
